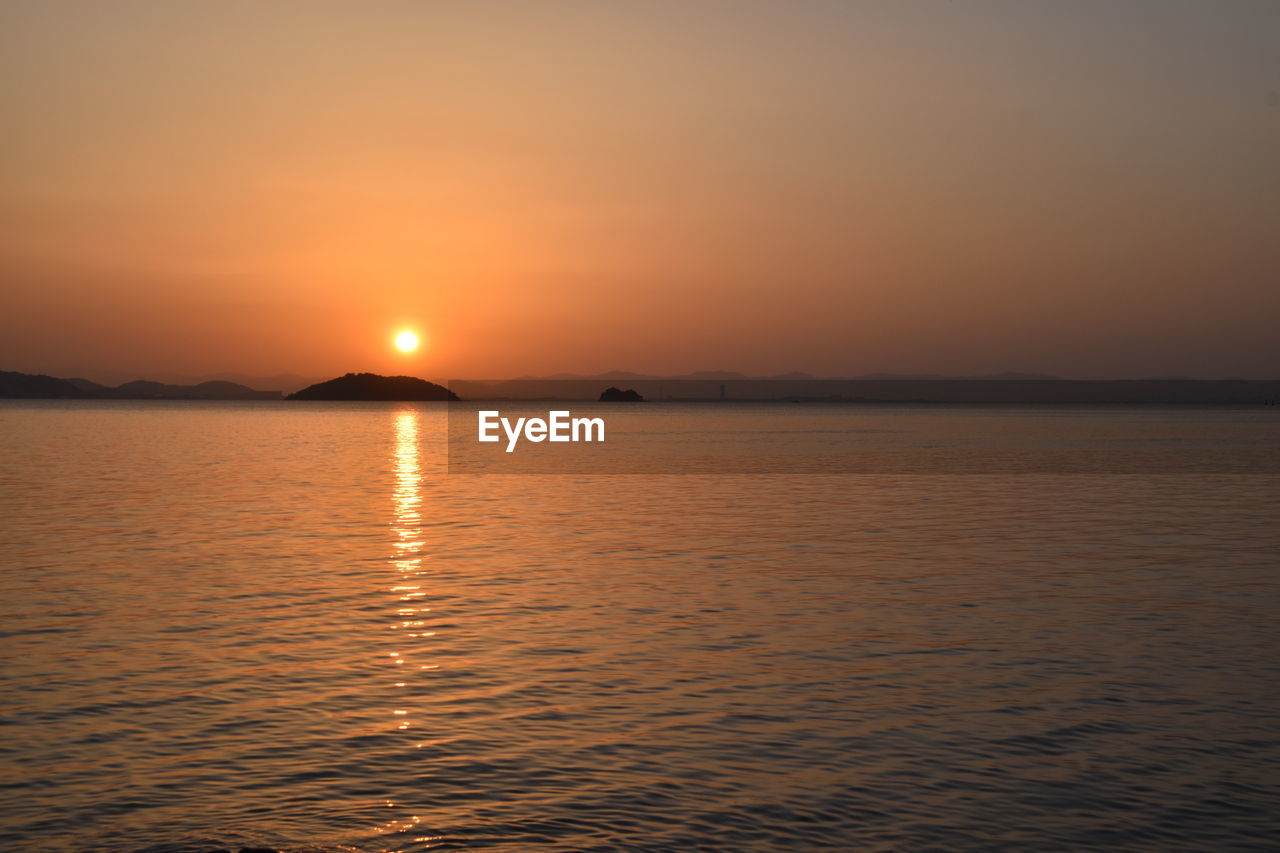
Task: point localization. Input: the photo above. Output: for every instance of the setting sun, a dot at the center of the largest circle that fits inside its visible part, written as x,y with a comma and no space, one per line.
406,341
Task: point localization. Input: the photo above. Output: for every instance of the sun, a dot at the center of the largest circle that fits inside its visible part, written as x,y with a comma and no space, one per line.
406,342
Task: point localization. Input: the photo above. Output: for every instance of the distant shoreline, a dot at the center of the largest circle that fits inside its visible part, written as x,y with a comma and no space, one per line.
1211,392
367,387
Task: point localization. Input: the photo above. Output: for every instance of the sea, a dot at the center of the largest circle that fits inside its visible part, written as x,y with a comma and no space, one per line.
297,626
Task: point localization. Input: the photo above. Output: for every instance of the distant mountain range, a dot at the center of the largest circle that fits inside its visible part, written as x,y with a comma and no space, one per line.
352,386
35,386
1010,389
285,383
727,386
793,376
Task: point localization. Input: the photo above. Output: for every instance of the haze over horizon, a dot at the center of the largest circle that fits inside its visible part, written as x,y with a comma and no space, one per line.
1088,190
288,382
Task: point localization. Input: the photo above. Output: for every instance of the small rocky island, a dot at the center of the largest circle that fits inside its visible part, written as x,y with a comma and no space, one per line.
617,395
371,386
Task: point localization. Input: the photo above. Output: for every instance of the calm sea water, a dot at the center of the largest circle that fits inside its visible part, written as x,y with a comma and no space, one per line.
286,625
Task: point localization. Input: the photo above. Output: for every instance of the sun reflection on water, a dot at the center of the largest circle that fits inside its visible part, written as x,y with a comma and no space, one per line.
407,559
406,523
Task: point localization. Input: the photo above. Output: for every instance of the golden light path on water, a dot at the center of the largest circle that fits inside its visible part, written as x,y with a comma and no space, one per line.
406,558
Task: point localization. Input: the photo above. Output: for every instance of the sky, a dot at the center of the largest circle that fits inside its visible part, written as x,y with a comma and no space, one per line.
1089,189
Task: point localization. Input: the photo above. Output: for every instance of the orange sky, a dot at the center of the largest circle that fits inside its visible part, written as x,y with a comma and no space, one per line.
1089,189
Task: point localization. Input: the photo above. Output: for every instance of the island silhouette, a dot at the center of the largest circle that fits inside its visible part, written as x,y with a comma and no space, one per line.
617,395
371,386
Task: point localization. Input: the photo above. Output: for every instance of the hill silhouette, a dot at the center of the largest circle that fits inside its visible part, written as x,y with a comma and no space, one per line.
617,395
143,389
35,386
371,386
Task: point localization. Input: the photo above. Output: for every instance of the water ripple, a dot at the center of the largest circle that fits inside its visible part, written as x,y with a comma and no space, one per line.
332,647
